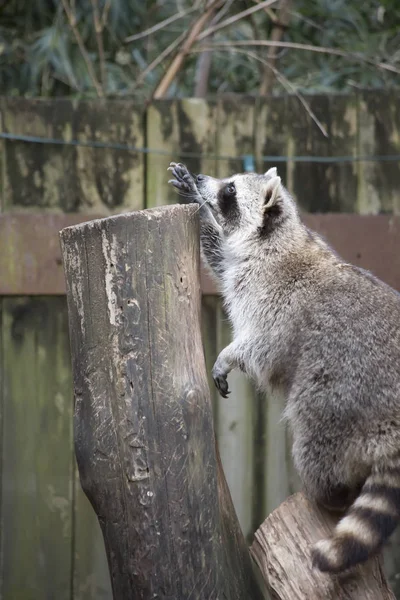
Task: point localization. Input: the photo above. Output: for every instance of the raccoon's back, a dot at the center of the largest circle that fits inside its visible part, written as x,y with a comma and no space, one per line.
350,330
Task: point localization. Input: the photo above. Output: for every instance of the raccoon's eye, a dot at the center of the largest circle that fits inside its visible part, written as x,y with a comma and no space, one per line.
230,189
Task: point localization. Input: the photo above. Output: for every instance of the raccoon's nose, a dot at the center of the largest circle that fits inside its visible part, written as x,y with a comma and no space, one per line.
200,178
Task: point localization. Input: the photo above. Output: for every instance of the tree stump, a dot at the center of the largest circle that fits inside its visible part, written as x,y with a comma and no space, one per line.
282,551
143,427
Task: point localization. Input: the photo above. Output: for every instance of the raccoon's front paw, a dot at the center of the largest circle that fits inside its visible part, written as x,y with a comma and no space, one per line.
184,181
221,382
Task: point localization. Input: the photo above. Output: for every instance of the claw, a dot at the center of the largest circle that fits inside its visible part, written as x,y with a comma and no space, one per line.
221,384
183,180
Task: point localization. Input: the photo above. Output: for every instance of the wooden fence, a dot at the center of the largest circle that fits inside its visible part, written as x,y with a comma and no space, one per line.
78,157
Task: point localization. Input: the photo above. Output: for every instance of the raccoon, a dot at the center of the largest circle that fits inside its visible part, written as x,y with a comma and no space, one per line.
324,333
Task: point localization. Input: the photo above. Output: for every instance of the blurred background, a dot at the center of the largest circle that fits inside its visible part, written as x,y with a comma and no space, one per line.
97,97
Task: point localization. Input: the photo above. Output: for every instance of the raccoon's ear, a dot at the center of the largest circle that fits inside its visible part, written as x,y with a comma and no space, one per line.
272,172
272,193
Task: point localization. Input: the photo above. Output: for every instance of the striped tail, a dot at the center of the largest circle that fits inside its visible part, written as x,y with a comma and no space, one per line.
367,524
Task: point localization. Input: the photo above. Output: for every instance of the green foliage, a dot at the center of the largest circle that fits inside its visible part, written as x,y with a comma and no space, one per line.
40,54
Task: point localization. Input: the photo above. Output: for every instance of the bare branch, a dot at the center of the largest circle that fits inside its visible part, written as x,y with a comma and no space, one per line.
235,18
98,27
72,23
164,54
161,25
285,83
104,16
307,47
191,38
222,12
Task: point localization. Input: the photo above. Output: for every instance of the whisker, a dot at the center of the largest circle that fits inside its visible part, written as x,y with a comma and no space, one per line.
200,206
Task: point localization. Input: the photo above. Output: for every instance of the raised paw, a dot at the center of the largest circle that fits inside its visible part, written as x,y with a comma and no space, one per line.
221,383
184,181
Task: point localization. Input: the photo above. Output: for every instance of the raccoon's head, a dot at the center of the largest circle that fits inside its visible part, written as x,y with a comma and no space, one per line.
249,203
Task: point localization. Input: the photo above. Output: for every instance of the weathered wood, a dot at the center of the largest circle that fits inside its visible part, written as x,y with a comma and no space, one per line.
236,132
282,551
277,485
329,186
36,500
143,421
90,575
2,159
379,134
30,254
178,128
197,123
340,178
1,445
271,135
162,135
67,177
235,432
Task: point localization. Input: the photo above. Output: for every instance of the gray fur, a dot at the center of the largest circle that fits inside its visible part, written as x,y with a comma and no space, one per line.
322,332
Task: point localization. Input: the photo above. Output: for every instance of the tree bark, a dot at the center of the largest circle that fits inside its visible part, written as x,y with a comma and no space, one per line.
282,551
144,437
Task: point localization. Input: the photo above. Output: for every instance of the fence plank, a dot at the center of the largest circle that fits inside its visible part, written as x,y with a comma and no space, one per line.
175,128
277,456
306,139
327,186
379,134
341,177
236,132
91,577
235,425
73,178
2,158
1,447
162,134
37,457
197,119
271,135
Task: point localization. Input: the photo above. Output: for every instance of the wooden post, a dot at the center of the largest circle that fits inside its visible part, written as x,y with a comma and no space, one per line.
282,550
144,435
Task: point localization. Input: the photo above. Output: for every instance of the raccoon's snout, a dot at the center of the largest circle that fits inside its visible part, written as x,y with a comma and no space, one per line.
206,186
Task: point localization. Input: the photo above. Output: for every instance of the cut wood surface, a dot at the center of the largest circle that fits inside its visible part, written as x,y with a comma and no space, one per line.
282,551
144,435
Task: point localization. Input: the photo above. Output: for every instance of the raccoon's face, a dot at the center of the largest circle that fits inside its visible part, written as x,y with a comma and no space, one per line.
247,202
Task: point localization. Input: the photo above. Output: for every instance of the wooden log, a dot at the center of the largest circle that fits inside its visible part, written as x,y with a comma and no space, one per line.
144,436
282,551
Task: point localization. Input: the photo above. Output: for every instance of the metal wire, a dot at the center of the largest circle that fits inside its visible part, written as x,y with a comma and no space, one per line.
247,159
